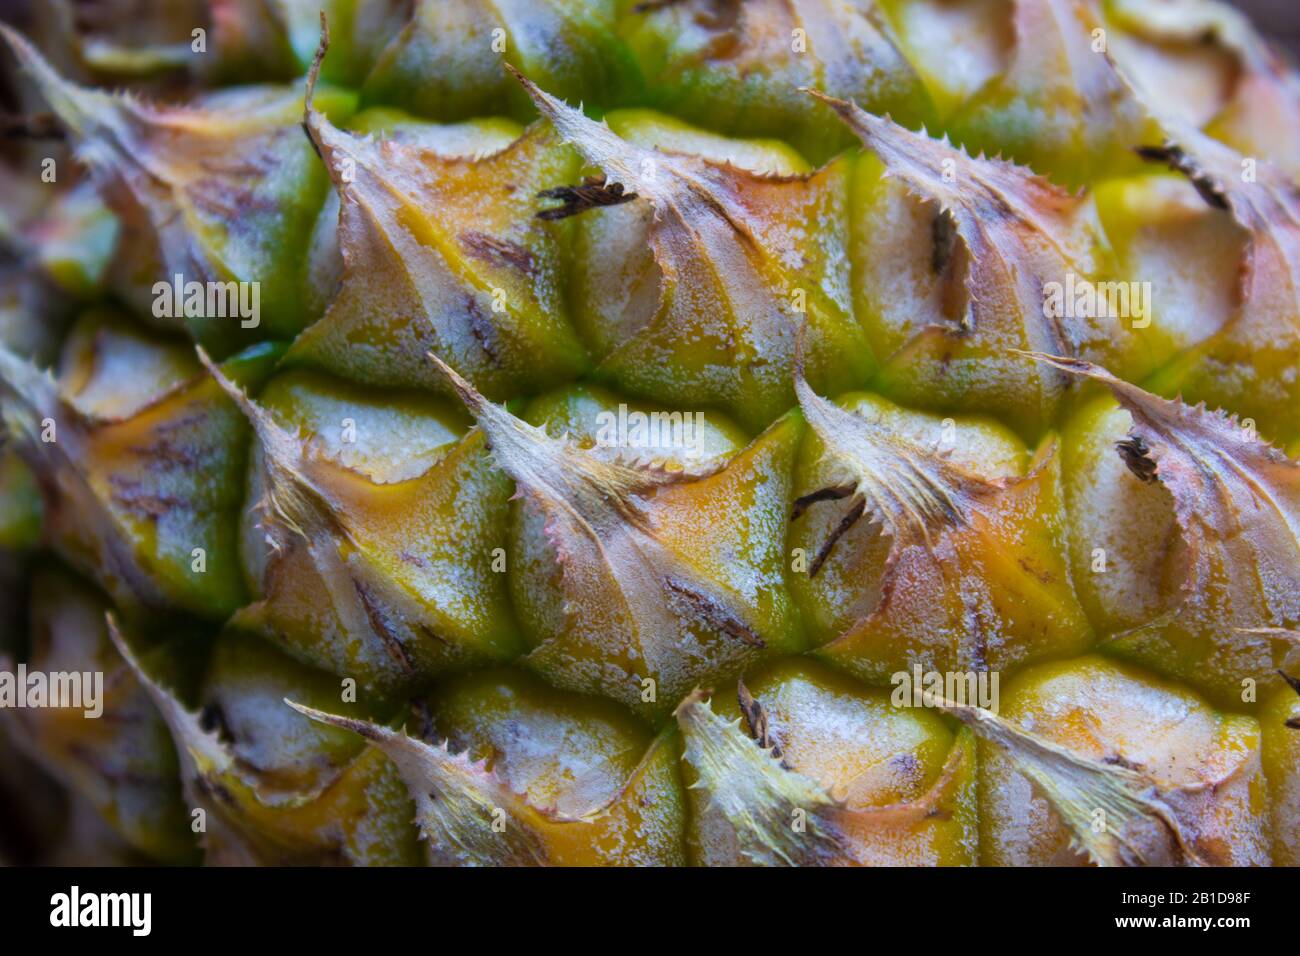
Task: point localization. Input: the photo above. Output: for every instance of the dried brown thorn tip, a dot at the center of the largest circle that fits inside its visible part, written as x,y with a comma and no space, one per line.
1134,451
826,494
834,493
313,77
756,721
321,49
595,191
714,614
847,522
30,126
1173,155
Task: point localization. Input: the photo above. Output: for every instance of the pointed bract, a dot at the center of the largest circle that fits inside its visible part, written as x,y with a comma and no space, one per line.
741,260
1021,239
1138,827
470,815
114,752
1203,60
1236,500
138,497
1248,366
1090,760
220,192
442,253
972,579
649,607
755,807
390,583
349,809
759,797
1061,106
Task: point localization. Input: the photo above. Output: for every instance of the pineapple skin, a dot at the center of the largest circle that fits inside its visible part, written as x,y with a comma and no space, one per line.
382,572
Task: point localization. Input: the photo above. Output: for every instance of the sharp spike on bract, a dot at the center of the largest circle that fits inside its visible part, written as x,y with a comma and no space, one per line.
34,388
939,515
597,143
1236,510
202,752
458,800
236,393
755,795
313,75
468,394
77,108
365,728
1134,809
908,487
1013,236
284,448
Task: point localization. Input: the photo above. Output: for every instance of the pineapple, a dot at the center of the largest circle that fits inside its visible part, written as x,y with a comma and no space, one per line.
660,433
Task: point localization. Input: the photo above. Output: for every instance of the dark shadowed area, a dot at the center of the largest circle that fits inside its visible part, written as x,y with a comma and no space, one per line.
1279,20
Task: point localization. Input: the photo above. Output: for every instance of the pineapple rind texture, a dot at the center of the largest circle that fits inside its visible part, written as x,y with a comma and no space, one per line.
652,433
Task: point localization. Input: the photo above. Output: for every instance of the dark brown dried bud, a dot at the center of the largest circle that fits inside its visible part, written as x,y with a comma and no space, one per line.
30,126
649,6
595,191
1209,188
943,231
756,721
1134,452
